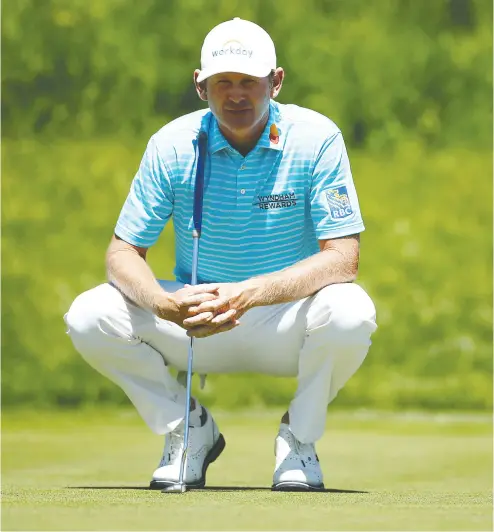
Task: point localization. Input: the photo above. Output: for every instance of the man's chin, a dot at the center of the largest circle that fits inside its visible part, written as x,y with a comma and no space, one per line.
239,125
239,119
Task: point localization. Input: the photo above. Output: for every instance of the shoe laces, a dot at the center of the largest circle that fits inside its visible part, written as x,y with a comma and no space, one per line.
174,445
305,451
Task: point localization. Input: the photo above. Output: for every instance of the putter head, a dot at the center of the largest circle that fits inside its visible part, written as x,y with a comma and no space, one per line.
175,488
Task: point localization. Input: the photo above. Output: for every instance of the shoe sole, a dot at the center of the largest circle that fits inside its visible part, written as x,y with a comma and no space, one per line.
296,486
213,454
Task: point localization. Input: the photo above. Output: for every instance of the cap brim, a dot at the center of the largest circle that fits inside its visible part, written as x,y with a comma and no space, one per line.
220,67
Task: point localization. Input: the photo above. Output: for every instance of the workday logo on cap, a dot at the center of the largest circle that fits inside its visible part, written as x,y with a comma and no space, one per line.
237,46
232,48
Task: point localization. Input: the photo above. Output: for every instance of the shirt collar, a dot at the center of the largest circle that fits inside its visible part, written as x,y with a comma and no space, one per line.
272,138
217,141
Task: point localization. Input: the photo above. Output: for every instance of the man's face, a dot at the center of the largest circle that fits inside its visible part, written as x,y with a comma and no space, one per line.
239,102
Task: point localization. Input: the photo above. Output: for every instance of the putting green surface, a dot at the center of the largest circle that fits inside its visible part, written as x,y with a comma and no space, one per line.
90,470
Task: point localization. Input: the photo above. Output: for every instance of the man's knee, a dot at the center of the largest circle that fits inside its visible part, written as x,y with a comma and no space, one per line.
345,311
82,316
92,316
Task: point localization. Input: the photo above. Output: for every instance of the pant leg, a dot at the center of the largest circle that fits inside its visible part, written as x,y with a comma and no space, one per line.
322,340
340,321
134,349
104,327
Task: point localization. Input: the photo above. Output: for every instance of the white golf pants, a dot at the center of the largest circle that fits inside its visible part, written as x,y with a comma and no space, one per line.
322,340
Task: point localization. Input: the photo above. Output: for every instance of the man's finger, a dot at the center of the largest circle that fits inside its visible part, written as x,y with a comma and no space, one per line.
209,318
213,305
196,299
219,319
199,319
207,330
200,288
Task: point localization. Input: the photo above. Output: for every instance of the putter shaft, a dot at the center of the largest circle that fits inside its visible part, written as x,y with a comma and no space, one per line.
195,256
202,143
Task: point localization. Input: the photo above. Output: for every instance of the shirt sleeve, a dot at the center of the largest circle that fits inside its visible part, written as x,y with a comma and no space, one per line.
149,204
333,199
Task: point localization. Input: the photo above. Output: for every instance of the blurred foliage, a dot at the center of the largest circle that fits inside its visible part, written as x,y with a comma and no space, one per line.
384,71
86,82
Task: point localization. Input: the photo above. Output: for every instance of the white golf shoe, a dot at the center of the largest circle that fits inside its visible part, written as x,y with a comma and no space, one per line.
297,465
205,445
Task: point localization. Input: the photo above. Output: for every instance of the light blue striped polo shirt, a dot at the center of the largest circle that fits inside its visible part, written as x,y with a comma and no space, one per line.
261,213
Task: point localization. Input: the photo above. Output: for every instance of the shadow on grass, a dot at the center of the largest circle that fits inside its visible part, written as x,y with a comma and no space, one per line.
209,488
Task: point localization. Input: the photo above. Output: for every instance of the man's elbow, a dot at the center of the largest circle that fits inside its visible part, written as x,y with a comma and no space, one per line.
351,268
112,250
119,254
352,276
117,245
350,273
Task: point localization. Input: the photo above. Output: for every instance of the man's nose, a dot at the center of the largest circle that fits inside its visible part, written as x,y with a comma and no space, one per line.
236,95
237,98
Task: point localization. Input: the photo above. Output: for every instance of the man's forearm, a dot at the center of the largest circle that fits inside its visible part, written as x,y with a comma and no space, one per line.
131,274
302,279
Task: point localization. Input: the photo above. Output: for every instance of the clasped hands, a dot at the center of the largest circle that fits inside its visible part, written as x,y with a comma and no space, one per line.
207,309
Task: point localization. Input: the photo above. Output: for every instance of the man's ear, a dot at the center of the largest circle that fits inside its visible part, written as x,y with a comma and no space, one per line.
279,76
200,87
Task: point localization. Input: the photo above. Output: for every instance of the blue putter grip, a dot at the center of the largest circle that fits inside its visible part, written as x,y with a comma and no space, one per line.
202,143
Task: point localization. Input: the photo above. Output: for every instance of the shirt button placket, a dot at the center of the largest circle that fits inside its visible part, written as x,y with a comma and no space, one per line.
242,191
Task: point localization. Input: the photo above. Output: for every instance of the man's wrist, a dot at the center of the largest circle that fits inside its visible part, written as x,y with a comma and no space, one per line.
164,305
252,290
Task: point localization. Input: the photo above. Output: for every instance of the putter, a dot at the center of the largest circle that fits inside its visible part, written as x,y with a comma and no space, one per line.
202,142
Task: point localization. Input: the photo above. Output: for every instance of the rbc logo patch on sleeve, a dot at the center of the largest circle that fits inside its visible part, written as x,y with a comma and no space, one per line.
339,203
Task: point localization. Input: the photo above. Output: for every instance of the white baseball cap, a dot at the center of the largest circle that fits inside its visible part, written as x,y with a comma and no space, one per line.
237,46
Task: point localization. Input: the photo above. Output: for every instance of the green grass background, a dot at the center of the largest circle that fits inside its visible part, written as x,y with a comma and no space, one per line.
88,470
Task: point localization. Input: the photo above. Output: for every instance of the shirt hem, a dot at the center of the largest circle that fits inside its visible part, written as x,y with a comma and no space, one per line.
131,238
344,231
